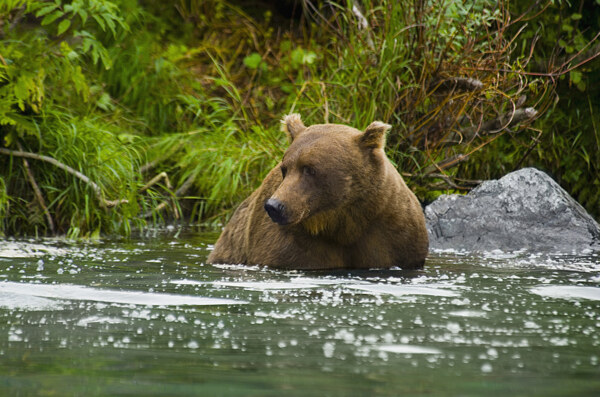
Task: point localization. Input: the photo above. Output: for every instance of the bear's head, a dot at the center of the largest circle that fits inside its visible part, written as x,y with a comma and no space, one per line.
331,175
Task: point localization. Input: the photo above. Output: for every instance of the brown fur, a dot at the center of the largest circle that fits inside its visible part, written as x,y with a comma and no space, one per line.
348,207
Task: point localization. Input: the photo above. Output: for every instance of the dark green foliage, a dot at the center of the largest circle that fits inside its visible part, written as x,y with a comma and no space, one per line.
570,146
188,95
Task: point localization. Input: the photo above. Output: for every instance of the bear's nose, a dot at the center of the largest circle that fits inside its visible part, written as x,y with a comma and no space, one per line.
276,211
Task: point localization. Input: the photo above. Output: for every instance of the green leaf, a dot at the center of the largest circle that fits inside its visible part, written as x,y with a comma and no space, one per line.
296,57
87,44
45,10
575,76
576,16
100,22
288,88
48,19
63,26
5,120
95,56
106,60
302,57
9,138
286,45
21,91
104,102
111,24
83,15
309,58
95,234
567,27
253,60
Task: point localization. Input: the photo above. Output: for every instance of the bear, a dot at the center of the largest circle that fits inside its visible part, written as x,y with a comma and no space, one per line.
335,201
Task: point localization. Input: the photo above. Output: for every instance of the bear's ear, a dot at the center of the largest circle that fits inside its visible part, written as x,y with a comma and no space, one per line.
293,125
374,135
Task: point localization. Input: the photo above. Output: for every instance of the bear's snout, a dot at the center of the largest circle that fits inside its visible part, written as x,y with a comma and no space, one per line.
276,210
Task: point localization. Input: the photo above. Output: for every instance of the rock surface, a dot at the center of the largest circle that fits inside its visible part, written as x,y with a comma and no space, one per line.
525,209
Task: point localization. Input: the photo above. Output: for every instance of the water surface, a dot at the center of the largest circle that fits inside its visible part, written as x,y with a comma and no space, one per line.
147,317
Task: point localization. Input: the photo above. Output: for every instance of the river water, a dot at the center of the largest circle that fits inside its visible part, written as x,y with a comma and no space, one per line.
147,317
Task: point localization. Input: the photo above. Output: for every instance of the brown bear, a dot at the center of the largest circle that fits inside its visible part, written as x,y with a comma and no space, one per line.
335,201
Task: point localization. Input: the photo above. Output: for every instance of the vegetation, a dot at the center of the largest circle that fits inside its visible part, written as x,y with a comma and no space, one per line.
117,114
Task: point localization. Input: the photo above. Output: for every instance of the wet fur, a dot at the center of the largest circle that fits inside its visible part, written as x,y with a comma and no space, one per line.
367,219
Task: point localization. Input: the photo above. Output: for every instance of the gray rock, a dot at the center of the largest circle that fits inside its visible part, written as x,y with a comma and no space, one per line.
525,209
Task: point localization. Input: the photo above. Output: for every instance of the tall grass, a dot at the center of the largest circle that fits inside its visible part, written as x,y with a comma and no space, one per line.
172,109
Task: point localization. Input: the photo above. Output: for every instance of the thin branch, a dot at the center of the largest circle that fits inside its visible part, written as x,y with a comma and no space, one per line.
446,164
491,126
560,71
451,181
448,181
326,106
103,202
185,186
155,180
455,83
533,144
580,57
179,192
38,193
363,25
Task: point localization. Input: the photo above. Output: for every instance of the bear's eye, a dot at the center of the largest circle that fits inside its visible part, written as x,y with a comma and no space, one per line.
306,170
283,171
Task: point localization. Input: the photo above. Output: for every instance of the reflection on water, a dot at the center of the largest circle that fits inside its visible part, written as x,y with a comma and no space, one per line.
147,317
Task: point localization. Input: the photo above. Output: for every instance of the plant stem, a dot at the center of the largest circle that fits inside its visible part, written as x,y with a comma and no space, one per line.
103,202
38,193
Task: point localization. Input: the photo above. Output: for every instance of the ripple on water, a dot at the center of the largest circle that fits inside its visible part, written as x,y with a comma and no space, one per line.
403,290
77,292
293,283
408,349
265,285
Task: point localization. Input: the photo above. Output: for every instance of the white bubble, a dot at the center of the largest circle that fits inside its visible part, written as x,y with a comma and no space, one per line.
486,368
328,349
453,327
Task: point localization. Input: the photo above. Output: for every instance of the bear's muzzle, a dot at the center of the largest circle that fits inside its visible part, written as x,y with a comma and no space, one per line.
276,210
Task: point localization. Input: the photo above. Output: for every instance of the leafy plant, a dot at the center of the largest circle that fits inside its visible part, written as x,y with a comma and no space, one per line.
116,114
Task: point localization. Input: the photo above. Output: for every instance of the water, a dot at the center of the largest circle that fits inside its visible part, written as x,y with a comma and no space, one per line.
147,317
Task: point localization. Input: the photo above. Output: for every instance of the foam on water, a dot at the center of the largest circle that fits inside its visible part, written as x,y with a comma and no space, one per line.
582,261
266,285
293,283
84,322
567,292
76,292
27,250
468,313
402,290
13,301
